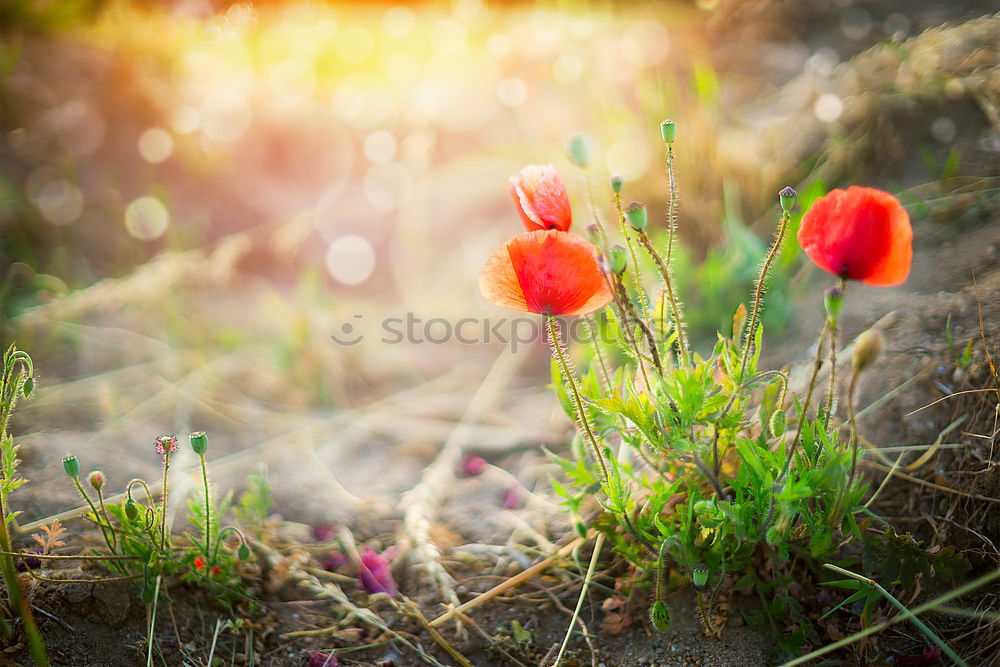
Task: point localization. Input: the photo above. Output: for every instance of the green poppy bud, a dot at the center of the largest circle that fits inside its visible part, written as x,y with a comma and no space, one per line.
243,552
616,183
199,442
867,349
578,149
636,216
131,510
668,130
786,197
71,465
833,300
618,258
700,575
659,616
777,422
28,387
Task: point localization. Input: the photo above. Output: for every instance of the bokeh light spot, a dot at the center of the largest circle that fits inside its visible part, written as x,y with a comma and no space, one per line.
512,92
399,21
59,201
568,69
943,129
155,145
387,185
498,45
354,44
645,43
828,107
146,218
350,260
380,146
628,158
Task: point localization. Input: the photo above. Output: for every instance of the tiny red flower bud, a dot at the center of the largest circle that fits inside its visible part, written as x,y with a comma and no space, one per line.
96,480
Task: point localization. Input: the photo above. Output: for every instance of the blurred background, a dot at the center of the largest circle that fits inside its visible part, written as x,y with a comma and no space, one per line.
196,195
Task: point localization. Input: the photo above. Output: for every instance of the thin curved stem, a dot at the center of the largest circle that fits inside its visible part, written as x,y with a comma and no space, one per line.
208,506
758,296
675,311
560,355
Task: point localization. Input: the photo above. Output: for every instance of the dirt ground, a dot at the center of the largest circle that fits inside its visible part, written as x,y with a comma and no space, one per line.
111,380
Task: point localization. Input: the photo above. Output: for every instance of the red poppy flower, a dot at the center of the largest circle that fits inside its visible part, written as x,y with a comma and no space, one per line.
861,234
541,199
546,272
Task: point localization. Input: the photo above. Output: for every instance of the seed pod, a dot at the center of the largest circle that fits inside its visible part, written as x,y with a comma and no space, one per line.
700,575
71,465
636,216
786,197
618,259
578,149
668,130
616,183
199,442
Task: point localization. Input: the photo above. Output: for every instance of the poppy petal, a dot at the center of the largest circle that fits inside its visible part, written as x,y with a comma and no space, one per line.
555,273
860,233
541,198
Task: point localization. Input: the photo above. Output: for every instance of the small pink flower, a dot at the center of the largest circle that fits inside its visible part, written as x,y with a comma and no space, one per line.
376,573
165,444
472,466
318,659
511,497
323,532
334,562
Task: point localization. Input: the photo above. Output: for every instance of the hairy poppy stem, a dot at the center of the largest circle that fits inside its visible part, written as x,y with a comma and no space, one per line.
595,341
97,515
623,295
624,317
163,499
672,205
675,310
208,506
631,252
564,366
831,390
758,296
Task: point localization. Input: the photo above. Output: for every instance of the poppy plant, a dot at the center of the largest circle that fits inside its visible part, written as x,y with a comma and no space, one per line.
859,234
546,272
540,197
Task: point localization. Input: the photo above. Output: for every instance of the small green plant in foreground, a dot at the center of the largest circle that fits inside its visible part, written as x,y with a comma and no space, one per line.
137,533
17,381
707,468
